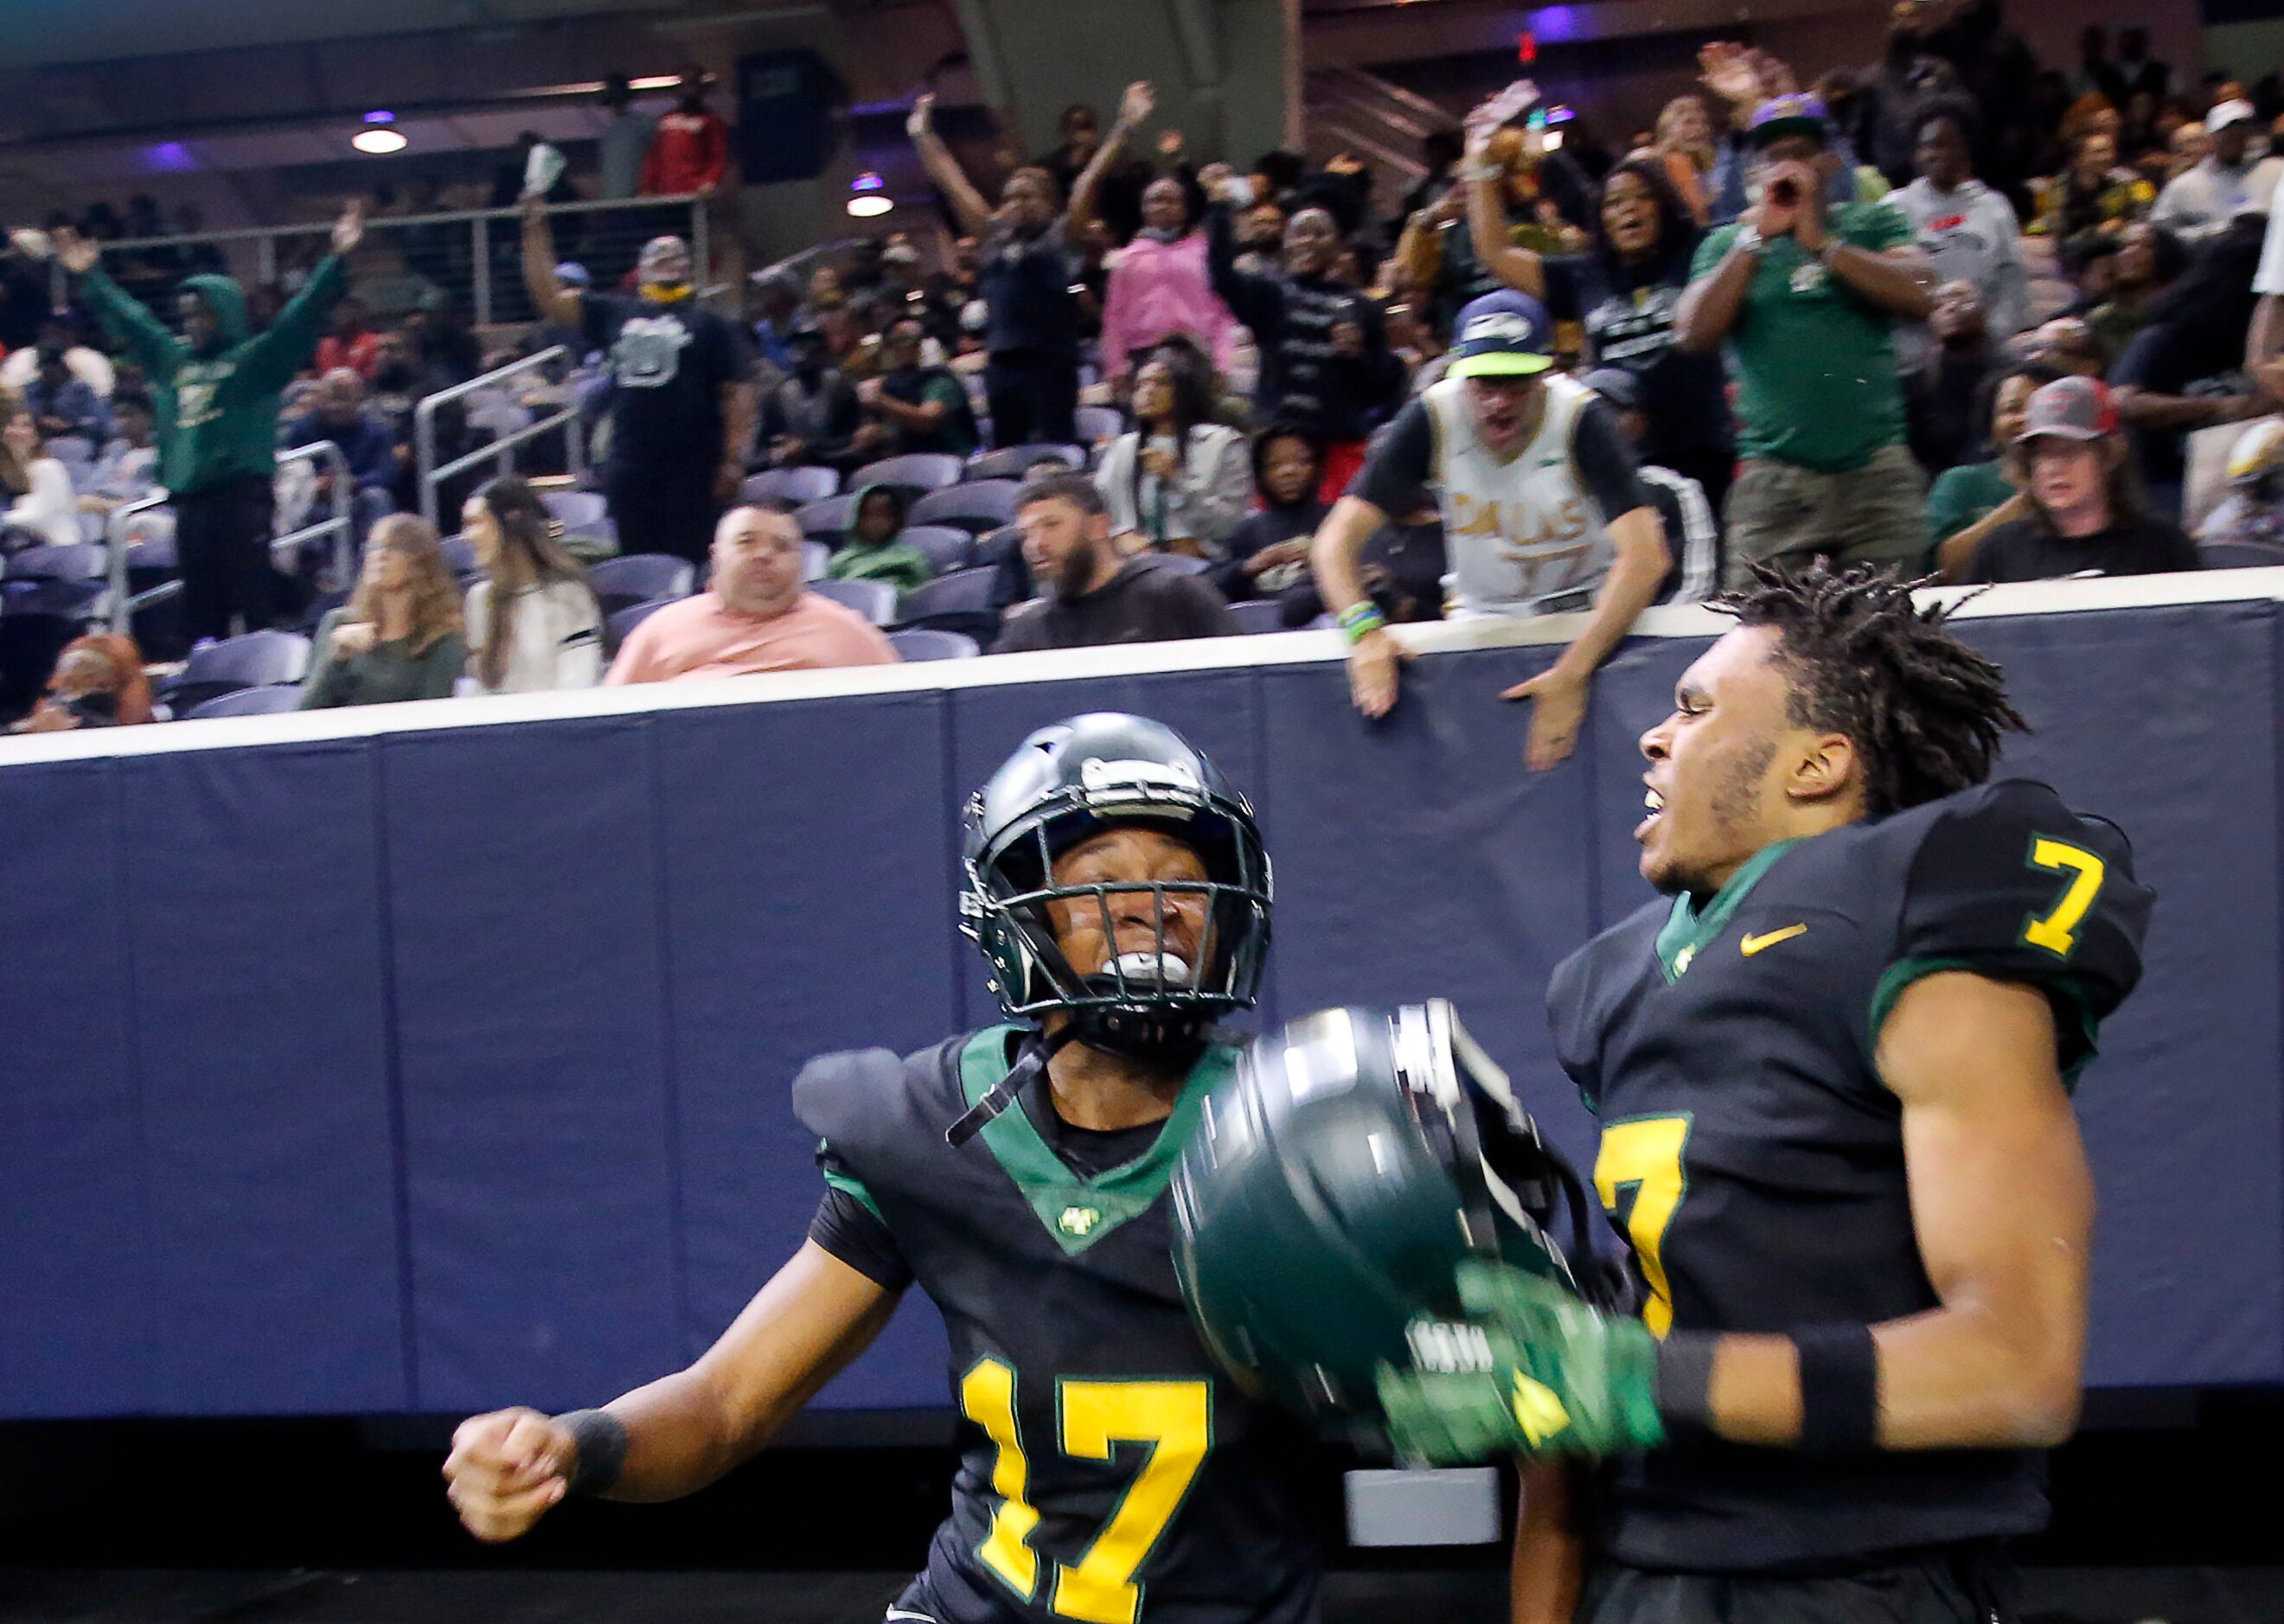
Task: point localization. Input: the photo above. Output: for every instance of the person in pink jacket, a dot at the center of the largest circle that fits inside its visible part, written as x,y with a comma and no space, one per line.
1160,285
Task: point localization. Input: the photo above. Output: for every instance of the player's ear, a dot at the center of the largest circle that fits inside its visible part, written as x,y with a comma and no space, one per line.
1826,768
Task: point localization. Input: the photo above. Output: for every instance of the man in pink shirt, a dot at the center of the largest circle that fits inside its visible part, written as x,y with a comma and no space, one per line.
1160,286
756,617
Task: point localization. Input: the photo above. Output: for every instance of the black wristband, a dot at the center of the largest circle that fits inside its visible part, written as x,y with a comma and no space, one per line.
1685,1385
602,1440
1839,1389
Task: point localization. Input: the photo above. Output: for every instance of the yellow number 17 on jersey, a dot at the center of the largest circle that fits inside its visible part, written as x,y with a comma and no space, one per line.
1174,1417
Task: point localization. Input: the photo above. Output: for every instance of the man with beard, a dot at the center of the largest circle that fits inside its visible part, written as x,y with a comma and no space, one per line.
1029,263
1093,595
682,408
400,380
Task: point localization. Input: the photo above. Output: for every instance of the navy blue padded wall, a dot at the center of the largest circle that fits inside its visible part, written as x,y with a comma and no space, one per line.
74,1303
809,893
1418,858
524,894
252,898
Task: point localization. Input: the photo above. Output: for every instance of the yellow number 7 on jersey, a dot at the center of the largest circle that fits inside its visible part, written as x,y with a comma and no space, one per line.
1174,1417
1645,1154
2057,932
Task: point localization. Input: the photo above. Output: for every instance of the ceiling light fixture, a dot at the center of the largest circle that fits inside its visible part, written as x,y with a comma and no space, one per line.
380,141
869,206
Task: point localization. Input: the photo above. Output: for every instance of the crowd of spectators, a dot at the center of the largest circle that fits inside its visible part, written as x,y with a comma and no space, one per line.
1954,312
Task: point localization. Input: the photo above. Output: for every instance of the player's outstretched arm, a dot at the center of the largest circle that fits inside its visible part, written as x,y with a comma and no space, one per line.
682,1432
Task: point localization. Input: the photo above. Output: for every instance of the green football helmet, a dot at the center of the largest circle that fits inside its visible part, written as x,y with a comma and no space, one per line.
1333,1186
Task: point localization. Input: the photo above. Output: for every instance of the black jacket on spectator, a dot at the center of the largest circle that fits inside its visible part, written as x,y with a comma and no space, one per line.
1025,280
1146,601
668,363
1627,311
1340,398
823,415
1277,522
2194,340
1402,569
1940,417
2026,551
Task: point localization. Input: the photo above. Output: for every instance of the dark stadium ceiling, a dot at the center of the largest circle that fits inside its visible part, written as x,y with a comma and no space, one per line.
44,33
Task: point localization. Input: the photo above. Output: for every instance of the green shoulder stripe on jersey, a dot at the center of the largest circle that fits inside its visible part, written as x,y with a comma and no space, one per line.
1686,932
1078,1211
2063,991
849,1186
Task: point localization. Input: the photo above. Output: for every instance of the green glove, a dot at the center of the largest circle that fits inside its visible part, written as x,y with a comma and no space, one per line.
1564,1379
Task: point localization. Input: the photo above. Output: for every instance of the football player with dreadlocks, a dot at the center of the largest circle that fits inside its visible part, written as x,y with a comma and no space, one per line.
1833,1071
1109,1473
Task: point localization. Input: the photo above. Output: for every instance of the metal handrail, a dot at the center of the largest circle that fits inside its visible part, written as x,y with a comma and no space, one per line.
341,523
503,450
583,206
115,541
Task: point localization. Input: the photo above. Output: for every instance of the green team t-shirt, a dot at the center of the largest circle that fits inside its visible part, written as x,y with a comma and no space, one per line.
1815,364
1962,495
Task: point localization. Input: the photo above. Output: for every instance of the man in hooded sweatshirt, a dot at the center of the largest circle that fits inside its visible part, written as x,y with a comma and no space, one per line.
874,549
214,398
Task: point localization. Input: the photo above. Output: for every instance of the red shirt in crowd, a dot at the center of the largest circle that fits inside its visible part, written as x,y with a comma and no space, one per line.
690,153
357,354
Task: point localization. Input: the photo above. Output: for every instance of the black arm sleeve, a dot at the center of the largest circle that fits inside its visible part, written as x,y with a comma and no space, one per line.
1401,463
1605,462
851,1229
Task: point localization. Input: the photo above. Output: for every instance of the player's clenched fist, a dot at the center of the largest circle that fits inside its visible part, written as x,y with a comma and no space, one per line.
506,1469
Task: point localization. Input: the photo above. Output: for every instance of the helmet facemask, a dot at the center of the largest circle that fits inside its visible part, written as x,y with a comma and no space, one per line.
1153,1003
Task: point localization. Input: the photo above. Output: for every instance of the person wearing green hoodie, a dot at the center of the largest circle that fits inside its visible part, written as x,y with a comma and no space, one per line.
216,399
870,548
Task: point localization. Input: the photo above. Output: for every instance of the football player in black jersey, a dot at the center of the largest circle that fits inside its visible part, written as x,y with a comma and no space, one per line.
1832,1074
1109,1472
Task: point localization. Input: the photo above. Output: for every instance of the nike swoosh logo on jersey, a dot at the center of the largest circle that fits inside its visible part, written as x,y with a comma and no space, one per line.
895,1613
1753,944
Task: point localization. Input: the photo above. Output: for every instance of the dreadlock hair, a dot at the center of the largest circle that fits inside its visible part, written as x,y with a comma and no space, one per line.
1926,713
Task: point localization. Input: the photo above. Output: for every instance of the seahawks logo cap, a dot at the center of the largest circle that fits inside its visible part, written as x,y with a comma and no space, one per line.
1501,335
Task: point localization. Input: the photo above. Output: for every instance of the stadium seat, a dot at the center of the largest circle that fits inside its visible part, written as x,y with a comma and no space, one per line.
80,561
828,520
994,546
1258,614
1097,423
580,512
798,486
75,452
947,547
617,625
815,557
266,700
875,600
983,504
915,470
914,643
1178,563
252,661
460,557
622,583
958,602
1014,462
2238,555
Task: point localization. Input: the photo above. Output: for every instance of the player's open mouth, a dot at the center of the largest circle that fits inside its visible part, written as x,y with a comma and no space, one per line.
1655,803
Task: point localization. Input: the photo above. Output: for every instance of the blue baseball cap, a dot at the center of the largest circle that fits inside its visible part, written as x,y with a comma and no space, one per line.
1501,335
1798,114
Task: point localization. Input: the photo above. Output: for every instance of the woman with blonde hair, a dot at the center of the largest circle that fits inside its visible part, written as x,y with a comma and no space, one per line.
1684,145
38,487
399,636
532,622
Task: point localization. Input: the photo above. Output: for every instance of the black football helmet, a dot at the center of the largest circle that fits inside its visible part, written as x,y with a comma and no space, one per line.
1065,785
1333,1185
